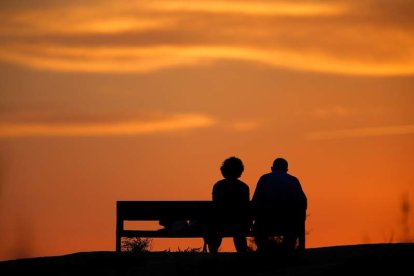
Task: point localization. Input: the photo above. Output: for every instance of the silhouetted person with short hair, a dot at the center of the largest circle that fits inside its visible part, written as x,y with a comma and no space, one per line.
282,205
231,197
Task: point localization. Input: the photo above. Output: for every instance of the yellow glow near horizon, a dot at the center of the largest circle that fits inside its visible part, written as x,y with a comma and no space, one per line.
175,123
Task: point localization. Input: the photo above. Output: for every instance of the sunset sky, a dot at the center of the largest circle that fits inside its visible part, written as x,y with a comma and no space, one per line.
142,100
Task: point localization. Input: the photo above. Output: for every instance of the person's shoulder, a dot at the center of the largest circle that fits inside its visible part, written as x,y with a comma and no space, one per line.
292,177
265,176
219,183
243,184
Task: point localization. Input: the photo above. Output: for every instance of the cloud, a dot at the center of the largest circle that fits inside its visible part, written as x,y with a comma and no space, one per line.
173,123
333,111
361,132
150,59
339,37
285,8
79,20
245,125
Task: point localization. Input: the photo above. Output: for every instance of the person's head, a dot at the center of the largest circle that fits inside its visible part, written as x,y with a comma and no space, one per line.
280,164
232,168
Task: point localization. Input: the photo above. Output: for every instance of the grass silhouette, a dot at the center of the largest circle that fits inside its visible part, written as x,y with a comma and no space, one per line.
368,259
136,245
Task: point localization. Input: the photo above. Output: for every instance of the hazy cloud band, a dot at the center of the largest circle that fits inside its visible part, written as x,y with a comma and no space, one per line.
150,59
172,124
361,132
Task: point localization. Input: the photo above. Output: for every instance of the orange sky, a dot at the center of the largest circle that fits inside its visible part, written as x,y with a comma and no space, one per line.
144,101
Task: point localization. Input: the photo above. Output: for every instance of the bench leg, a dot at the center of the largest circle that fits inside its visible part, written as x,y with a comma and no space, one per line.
119,230
118,243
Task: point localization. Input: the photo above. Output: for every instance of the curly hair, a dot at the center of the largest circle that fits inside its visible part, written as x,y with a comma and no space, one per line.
232,168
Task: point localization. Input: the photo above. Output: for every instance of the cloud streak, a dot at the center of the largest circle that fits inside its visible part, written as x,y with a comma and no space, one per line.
150,59
121,128
284,8
361,132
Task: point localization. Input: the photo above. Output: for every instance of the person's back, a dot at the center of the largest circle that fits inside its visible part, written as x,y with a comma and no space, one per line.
231,191
231,196
281,205
278,186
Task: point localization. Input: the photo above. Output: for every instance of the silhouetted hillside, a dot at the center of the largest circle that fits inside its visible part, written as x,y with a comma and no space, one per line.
368,259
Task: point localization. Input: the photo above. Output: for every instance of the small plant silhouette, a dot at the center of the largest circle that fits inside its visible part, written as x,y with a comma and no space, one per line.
136,244
189,250
406,209
251,245
185,250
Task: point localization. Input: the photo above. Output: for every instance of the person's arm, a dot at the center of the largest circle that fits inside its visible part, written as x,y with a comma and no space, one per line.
257,196
215,195
300,194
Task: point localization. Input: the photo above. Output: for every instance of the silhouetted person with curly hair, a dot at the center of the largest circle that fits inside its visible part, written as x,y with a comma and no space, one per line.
231,197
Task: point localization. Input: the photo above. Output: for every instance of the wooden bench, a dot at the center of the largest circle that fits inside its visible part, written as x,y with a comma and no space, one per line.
203,211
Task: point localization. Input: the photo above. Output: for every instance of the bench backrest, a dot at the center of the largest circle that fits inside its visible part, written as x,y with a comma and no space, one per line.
156,210
178,210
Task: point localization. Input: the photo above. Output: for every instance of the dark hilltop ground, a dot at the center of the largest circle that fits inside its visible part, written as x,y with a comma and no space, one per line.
367,259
